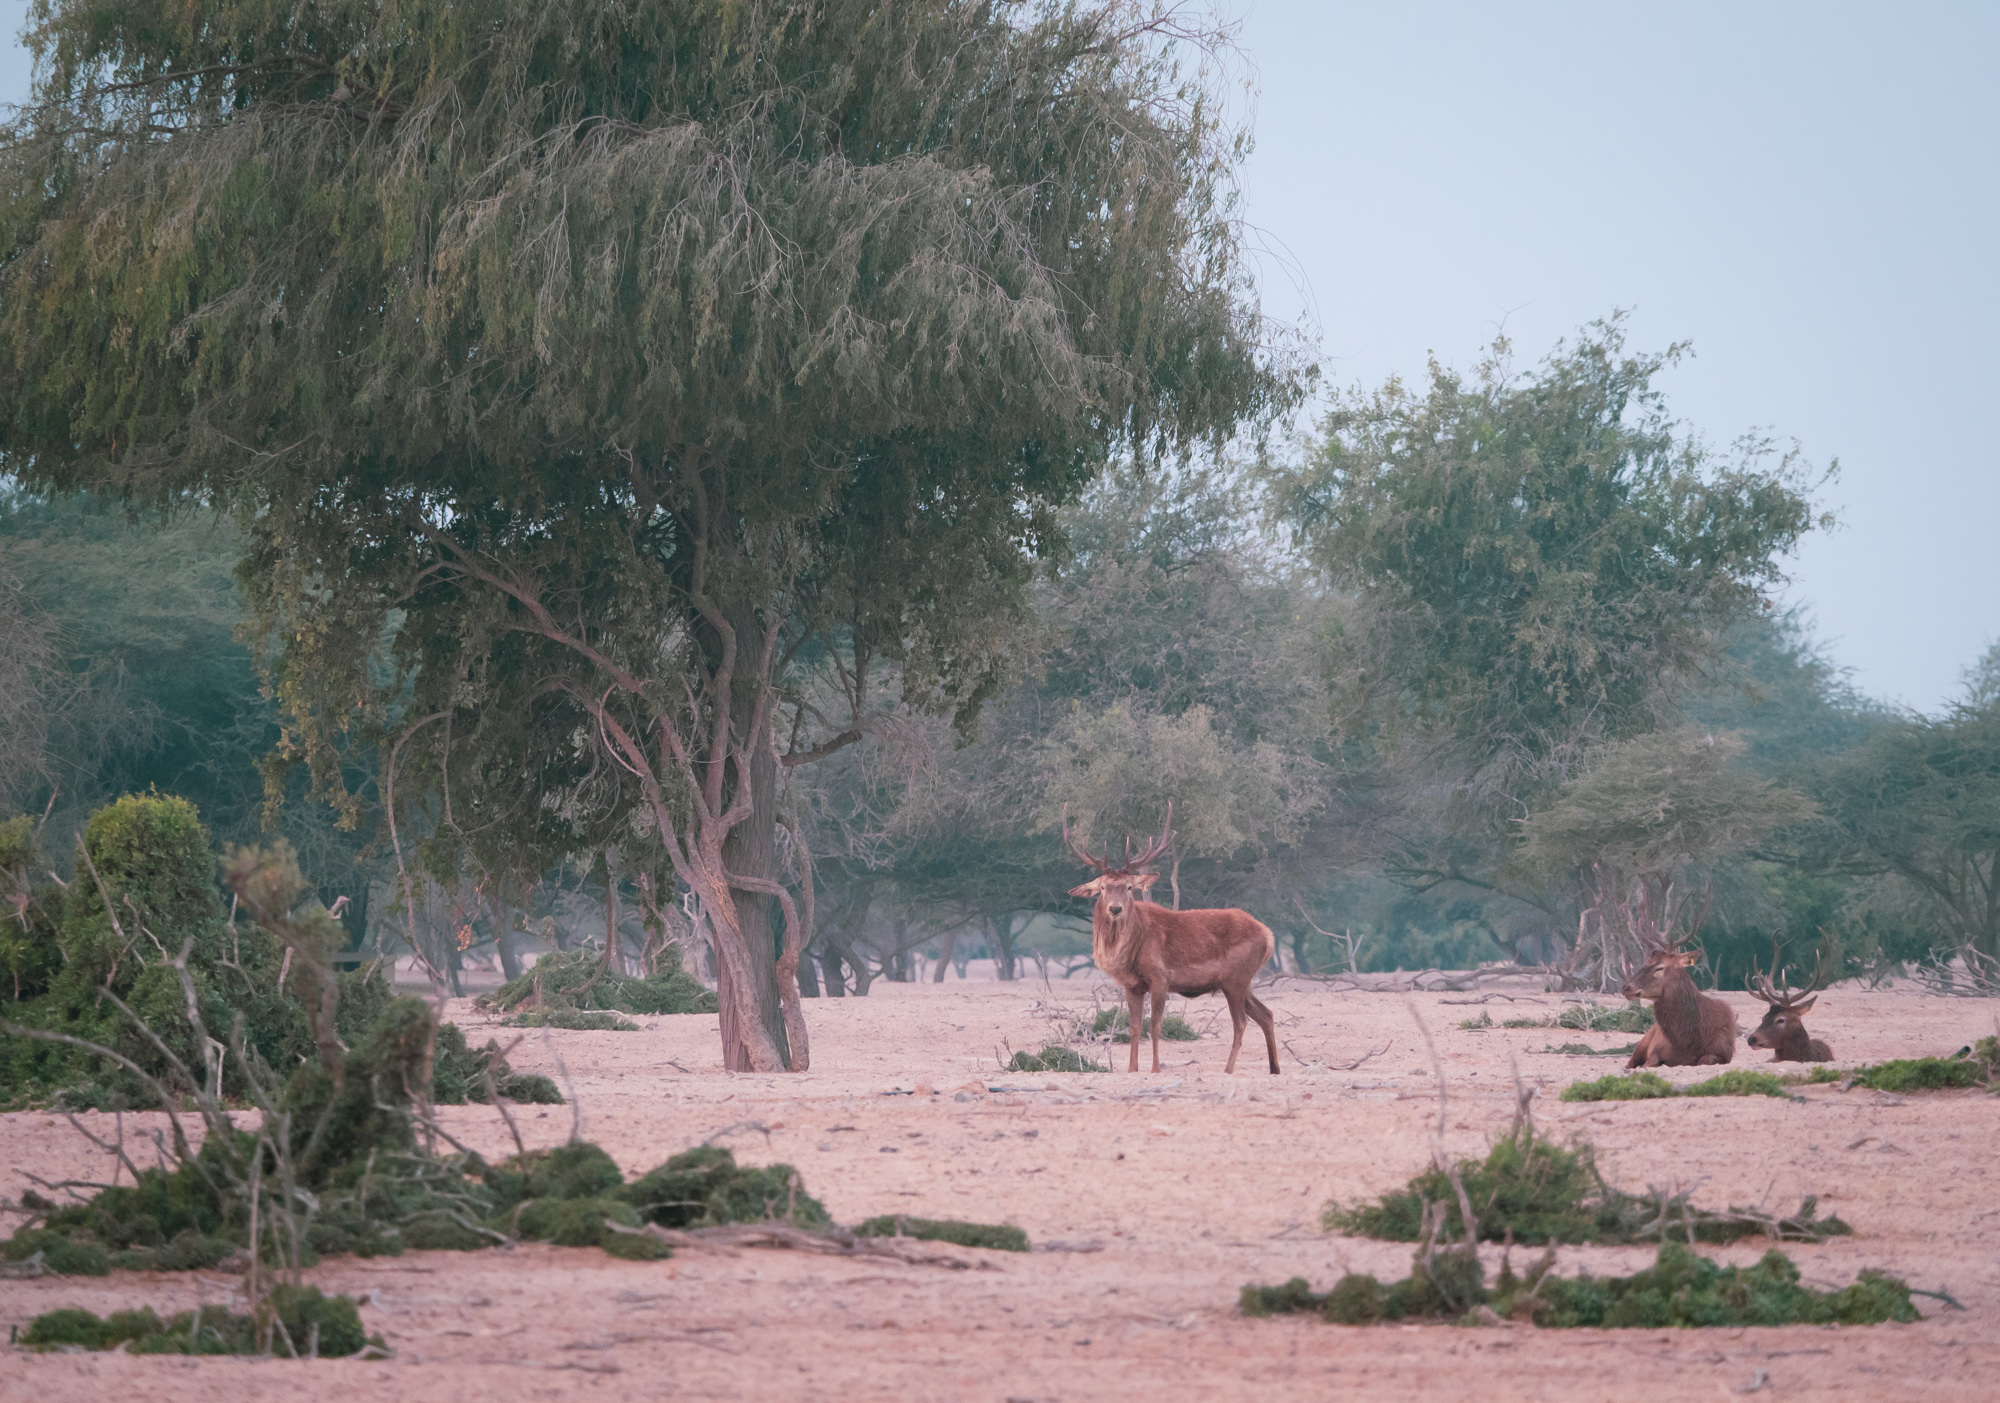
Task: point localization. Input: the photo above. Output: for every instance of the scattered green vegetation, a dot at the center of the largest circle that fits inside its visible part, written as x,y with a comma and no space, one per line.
1117,1022
574,981
705,1186
1739,1081
1530,1191
1681,1289
1646,1086
1592,1018
1471,1025
1054,1058
295,1322
1978,1065
998,1237
583,1020
1586,1050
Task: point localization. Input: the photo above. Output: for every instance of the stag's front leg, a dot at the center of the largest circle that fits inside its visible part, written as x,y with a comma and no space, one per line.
1135,1013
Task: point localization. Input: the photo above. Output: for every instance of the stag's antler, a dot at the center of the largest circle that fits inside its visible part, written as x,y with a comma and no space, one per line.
1156,847
1761,984
1082,856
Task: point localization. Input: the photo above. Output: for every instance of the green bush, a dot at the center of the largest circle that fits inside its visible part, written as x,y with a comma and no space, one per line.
1054,1059
573,1222
999,1238
578,1020
60,1253
1739,1081
1118,1023
1680,1289
1530,1191
705,1186
1635,1086
577,980
313,1323
1922,1074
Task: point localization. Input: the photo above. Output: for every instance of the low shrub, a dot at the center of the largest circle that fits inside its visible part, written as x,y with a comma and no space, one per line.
1118,1023
998,1237
577,1020
705,1186
1055,1059
1530,1191
577,980
1681,1289
1634,1086
302,1323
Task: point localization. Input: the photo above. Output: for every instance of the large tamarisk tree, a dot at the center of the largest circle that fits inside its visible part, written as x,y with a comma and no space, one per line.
585,373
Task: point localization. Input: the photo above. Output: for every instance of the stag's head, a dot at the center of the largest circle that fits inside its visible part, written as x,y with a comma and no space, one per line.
1119,889
1784,1019
1663,965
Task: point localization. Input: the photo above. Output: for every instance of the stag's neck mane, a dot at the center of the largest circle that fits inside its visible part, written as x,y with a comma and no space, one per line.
1678,1010
1114,940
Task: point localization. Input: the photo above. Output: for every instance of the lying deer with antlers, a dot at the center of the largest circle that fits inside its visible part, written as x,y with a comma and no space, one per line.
1690,1029
1148,948
1784,1027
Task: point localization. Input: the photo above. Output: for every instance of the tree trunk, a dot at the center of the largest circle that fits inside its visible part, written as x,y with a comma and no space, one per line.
946,945
503,938
1000,940
829,970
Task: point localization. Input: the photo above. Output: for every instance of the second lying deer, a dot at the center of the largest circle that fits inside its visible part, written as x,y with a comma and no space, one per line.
1784,1027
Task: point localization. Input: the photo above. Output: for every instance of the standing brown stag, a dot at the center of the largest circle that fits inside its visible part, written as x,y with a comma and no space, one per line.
1784,1027
1146,948
1690,1029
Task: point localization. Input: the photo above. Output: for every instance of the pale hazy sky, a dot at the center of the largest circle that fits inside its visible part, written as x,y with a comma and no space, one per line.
1808,192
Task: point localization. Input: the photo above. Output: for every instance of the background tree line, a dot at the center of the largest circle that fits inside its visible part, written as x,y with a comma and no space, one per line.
748,471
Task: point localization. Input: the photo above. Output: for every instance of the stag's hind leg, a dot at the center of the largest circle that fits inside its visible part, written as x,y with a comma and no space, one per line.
1237,1018
1262,1014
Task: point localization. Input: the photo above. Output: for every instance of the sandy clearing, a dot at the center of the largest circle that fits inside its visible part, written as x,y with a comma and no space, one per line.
1184,1186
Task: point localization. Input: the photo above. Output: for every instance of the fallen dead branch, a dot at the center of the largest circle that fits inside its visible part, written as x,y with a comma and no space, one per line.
730,1237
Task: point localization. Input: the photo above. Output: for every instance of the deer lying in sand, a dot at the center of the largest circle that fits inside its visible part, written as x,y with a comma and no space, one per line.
1784,1028
1146,948
1690,1029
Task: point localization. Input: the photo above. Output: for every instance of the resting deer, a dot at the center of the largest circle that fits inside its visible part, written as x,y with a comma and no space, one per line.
1784,1027
1690,1029
1145,947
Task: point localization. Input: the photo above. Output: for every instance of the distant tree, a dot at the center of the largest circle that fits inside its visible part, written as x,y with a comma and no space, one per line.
1920,801
1540,564
587,375
1640,828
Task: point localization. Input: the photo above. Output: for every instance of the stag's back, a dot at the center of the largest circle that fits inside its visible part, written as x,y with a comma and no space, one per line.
1196,951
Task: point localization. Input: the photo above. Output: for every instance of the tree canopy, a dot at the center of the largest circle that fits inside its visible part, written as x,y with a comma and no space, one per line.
585,376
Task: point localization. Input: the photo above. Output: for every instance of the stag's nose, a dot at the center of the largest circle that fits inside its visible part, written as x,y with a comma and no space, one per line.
1115,908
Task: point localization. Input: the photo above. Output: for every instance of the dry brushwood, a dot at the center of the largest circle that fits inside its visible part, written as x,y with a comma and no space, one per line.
837,1242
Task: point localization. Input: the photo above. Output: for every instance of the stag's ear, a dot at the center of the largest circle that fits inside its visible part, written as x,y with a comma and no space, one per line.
1806,1007
1089,888
1144,880
1684,959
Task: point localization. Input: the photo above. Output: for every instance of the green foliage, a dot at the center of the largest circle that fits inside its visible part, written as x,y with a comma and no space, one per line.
1739,1081
1615,1086
576,1020
1054,1058
458,1074
1647,1086
999,1238
1590,1018
705,1186
1920,800
1526,1187
1530,1191
309,1322
1681,1289
30,955
59,1252
1117,1023
1923,1074
564,983
573,1222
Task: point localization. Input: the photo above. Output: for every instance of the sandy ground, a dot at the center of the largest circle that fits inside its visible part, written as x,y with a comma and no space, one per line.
1151,1200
